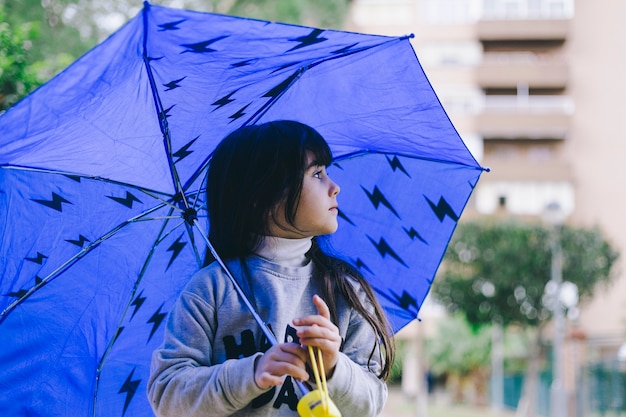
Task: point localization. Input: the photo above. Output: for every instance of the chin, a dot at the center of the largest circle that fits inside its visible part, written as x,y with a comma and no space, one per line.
332,230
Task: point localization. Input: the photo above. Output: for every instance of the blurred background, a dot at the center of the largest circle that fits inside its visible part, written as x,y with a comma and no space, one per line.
527,316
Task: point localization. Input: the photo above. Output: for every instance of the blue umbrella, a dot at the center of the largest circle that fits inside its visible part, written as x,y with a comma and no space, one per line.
102,174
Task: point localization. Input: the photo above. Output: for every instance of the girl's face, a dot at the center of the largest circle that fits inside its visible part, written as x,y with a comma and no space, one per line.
317,208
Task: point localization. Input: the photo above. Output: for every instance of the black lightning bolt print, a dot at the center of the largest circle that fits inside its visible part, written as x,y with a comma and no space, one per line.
72,177
38,259
308,40
240,113
129,388
384,249
80,242
346,218
17,294
223,101
156,320
413,234
406,300
137,303
55,203
118,333
345,49
244,63
362,265
126,201
184,151
377,198
202,47
175,248
395,163
170,25
173,84
277,90
442,209
165,113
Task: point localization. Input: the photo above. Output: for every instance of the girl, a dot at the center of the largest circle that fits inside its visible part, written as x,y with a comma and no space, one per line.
269,198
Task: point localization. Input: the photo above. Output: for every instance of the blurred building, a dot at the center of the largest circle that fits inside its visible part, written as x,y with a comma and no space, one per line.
537,90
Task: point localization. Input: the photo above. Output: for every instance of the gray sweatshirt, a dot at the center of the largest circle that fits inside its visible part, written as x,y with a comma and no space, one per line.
205,366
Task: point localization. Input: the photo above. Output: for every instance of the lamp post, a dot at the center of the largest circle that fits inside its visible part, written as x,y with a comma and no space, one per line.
555,217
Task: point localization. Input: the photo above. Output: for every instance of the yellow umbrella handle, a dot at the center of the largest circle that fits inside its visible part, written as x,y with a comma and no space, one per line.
317,403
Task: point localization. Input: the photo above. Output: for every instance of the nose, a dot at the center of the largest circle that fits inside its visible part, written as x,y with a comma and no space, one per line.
334,188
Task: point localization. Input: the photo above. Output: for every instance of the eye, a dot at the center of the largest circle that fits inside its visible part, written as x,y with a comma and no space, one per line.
318,171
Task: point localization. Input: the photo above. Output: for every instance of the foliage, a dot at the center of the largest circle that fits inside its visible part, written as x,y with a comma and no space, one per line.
39,38
396,370
17,77
458,348
60,32
460,353
497,270
516,348
319,13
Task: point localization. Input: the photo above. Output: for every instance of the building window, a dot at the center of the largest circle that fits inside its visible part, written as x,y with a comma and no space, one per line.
459,54
523,197
449,11
383,12
527,9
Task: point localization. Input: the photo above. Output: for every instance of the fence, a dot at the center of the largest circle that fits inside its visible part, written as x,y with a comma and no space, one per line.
602,390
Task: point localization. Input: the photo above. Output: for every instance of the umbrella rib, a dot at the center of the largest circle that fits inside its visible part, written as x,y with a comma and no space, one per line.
109,347
301,70
201,168
89,177
265,107
242,295
256,116
351,155
163,125
71,261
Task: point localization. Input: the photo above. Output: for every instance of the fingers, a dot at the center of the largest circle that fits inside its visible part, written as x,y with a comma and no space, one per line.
322,307
317,326
320,319
318,331
322,337
278,362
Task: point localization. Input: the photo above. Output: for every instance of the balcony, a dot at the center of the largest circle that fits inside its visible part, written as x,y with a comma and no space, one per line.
524,117
522,29
509,70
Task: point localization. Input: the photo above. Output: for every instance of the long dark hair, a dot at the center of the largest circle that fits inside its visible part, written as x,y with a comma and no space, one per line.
254,169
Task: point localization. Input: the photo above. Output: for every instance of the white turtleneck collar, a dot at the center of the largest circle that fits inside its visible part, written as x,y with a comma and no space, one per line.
286,252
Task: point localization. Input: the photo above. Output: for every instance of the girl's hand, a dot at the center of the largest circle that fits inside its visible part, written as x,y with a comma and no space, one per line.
318,331
280,360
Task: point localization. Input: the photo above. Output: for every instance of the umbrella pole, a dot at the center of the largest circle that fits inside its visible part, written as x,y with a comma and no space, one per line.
264,327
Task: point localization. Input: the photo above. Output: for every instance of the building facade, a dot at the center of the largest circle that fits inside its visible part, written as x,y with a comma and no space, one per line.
537,90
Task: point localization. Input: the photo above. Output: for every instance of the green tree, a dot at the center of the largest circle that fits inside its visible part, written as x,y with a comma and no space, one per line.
498,270
67,29
17,76
460,353
60,38
318,13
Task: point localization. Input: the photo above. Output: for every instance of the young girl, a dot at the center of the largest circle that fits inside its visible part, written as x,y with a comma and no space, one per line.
269,198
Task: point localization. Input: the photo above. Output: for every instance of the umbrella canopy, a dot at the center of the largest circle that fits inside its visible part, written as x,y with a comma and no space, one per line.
102,173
